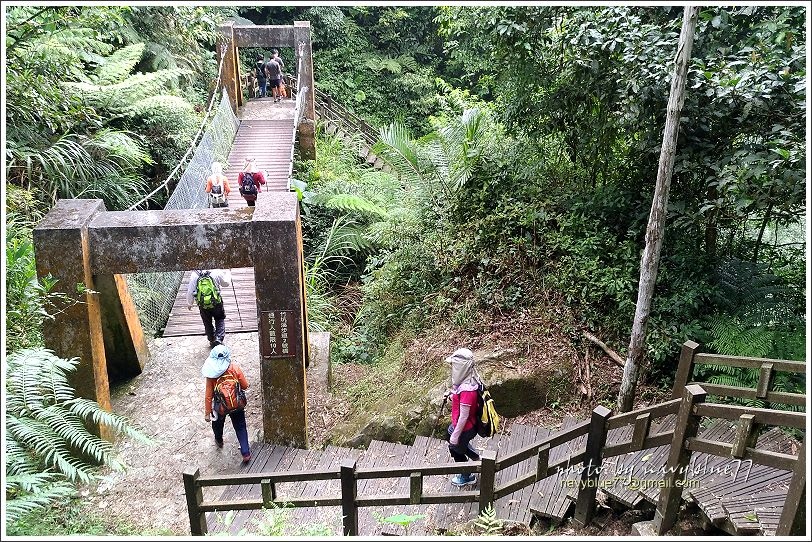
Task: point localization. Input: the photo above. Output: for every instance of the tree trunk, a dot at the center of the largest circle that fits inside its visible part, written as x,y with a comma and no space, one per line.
656,222
764,222
712,227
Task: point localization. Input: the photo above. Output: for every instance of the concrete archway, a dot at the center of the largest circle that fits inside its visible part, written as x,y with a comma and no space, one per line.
297,37
80,242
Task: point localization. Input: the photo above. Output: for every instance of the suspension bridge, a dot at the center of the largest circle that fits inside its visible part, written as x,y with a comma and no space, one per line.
266,134
135,264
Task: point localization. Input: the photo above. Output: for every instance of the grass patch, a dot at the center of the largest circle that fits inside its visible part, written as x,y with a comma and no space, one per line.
71,518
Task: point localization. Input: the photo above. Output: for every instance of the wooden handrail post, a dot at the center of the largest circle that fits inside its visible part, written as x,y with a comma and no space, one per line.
685,427
686,364
349,492
194,498
793,516
595,441
487,479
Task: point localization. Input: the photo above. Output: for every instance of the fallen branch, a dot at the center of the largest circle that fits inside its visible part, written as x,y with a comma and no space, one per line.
614,356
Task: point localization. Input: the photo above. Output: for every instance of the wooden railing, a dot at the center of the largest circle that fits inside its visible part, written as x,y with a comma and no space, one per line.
685,442
330,110
688,405
691,357
591,456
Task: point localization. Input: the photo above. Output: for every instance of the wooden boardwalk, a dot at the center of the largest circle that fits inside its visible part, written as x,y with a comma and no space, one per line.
265,134
749,502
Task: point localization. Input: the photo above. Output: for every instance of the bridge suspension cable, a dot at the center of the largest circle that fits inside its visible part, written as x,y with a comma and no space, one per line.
192,147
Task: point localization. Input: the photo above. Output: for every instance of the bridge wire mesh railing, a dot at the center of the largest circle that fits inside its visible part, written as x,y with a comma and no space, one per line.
154,293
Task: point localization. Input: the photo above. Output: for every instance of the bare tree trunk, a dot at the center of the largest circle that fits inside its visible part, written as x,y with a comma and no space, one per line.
656,222
764,222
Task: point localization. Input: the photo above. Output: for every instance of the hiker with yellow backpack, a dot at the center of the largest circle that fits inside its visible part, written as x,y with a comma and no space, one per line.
225,396
472,412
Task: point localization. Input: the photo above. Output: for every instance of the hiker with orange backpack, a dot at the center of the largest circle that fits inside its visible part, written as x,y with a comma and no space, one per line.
225,396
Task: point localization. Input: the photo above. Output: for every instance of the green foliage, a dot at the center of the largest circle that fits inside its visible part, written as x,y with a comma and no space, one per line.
525,159
66,516
276,521
763,318
489,524
74,104
403,520
47,441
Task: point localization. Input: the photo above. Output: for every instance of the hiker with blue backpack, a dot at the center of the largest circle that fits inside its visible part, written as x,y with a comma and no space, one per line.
249,180
225,396
204,291
464,393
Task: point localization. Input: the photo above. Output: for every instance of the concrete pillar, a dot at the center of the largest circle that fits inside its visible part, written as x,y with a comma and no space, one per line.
280,310
61,250
304,52
124,343
231,70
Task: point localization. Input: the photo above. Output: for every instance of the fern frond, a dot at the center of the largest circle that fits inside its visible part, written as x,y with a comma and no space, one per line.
350,203
117,97
116,67
488,522
20,502
46,445
161,105
90,410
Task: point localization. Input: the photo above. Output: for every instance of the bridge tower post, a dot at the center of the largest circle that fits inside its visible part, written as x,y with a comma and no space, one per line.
279,284
231,64
62,251
304,61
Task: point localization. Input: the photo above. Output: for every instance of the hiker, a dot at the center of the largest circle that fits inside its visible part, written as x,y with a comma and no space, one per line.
217,186
281,88
260,69
218,368
464,396
273,71
204,291
249,181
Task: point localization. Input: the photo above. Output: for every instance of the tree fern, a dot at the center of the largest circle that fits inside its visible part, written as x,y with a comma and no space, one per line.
761,314
103,165
117,67
116,97
350,203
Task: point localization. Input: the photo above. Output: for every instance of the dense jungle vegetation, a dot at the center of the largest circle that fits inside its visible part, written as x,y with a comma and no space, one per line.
525,144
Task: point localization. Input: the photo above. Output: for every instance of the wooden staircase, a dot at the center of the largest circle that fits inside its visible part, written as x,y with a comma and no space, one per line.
742,505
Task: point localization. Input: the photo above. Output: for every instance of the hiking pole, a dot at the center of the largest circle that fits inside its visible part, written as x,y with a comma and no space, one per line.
236,301
439,413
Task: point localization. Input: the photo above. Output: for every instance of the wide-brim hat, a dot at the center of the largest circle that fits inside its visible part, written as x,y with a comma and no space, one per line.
217,362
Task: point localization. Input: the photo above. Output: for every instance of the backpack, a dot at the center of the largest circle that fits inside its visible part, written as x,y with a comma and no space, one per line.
228,395
207,295
487,419
249,187
260,66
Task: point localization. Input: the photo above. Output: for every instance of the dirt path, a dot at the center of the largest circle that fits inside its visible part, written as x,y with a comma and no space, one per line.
166,402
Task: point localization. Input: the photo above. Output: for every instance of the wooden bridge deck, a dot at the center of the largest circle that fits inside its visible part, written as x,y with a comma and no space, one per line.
265,134
747,503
